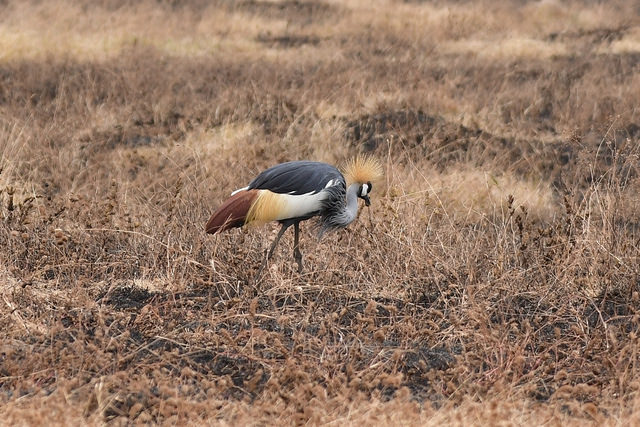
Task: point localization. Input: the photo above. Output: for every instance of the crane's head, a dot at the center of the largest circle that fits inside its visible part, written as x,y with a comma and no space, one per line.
363,170
363,192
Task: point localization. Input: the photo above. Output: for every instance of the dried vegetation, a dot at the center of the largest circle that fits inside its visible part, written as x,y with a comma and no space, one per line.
495,277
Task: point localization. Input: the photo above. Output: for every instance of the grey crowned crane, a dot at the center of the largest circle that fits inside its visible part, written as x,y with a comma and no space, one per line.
296,191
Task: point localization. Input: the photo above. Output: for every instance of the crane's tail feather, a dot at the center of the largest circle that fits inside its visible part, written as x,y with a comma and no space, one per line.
233,212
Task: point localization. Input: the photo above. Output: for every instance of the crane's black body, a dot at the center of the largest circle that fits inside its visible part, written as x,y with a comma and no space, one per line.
297,178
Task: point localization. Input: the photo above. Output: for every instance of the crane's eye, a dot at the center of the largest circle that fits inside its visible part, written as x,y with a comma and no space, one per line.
370,186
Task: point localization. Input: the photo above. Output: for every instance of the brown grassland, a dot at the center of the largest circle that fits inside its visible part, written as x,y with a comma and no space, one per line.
494,279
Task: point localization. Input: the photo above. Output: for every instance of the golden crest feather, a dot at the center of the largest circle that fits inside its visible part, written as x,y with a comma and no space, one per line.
362,169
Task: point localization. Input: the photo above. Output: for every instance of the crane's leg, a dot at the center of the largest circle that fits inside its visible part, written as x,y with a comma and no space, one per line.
271,249
275,242
297,255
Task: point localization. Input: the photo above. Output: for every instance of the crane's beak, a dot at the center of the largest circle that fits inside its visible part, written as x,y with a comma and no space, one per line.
367,202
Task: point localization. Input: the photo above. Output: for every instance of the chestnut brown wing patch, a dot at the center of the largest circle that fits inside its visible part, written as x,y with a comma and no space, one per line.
233,212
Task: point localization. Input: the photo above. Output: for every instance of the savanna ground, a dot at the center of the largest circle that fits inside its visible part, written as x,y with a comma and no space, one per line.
495,277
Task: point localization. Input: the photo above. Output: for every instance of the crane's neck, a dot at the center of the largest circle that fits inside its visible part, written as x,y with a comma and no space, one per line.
351,209
338,211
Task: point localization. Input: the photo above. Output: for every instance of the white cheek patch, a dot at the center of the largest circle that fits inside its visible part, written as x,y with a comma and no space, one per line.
365,190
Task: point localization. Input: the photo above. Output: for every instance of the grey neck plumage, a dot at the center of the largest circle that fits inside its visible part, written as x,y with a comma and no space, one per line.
340,212
351,209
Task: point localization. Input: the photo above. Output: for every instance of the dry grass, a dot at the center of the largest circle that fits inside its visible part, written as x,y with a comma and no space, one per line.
494,279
